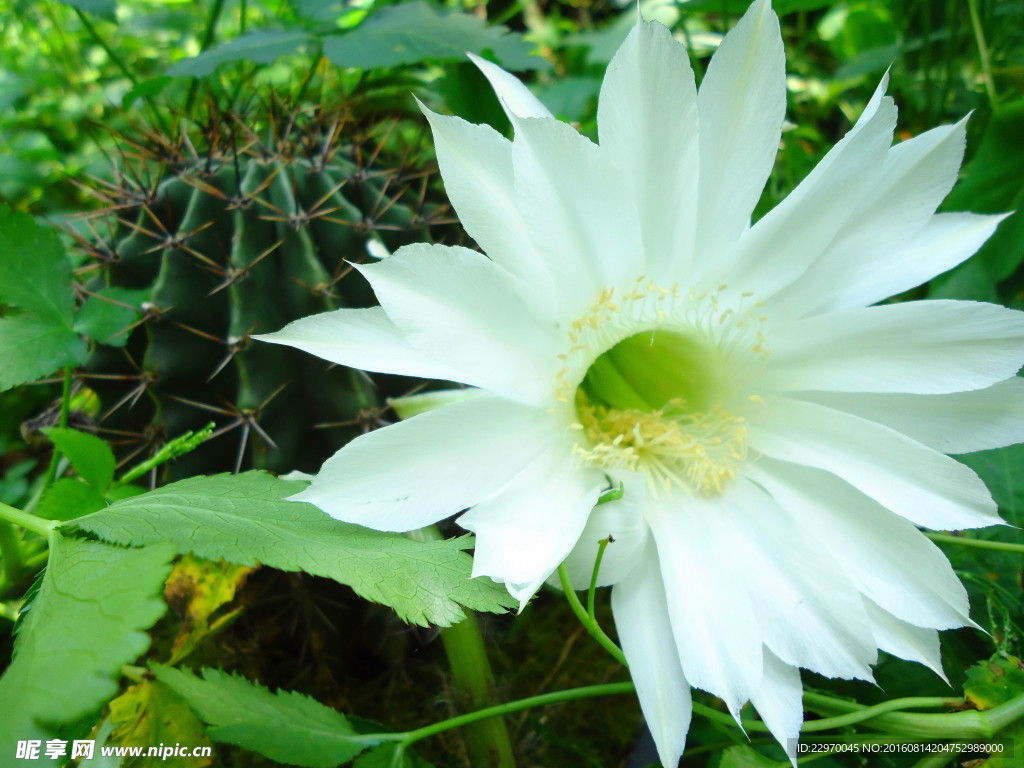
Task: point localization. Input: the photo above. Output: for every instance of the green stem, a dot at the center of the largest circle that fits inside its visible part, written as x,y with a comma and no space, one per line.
65,406
487,743
555,697
98,38
986,65
963,541
208,37
589,623
29,522
10,551
601,547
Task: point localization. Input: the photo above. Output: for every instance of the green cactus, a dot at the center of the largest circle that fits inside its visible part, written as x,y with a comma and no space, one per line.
234,227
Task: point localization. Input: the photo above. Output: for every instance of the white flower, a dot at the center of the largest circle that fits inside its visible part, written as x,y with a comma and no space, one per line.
779,439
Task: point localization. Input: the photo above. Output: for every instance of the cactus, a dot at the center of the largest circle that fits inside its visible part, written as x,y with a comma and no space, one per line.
234,227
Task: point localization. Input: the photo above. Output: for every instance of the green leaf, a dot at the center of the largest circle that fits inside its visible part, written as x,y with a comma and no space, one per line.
742,756
69,498
408,33
261,46
32,347
1000,469
244,520
89,455
285,726
150,713
87,620
994,682
108,314
106,9
35,272
390,756
35,277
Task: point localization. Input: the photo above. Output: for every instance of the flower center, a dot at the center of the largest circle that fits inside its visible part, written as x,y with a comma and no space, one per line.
650,404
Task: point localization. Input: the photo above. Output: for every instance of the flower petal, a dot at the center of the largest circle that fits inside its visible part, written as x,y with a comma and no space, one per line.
905,640
742,103
922,347
419,471
623,521
528,527
360,338
641,618
917,175
915,482
788,239
780,702
808,612
477,324
961,422
885,556
516,99
570,196
476,164
713,620
647,121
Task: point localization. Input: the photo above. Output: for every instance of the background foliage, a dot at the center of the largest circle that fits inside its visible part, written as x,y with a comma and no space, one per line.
203,171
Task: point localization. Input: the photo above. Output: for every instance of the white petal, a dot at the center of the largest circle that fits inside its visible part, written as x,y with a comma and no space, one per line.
923,347
712,617
360,338
915,482
622,520
576,213
647,121
808,612
461,308
413,405
742,103
886,557
916,176
961,422
905,640
526,529
419,471
789,238
516,99
476,164
945,241
641,618
780,702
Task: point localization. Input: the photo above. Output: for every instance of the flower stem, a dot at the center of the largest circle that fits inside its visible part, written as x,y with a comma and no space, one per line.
65,407
555,697
601,547
983,57
589,623
487,743
1003,546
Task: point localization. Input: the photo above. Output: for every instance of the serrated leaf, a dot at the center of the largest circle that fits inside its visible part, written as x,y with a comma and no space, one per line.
108,314
35,277
89,455
32,347
86,621
150,713
244,519
285,726
408,33
35,272
196,589
994,682
261,46
106,9
69,498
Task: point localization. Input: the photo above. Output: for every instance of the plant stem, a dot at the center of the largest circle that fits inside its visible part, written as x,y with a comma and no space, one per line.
963,541
979,37
208,37
555,697
29,522
487,743
601,547
589,623
65,407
